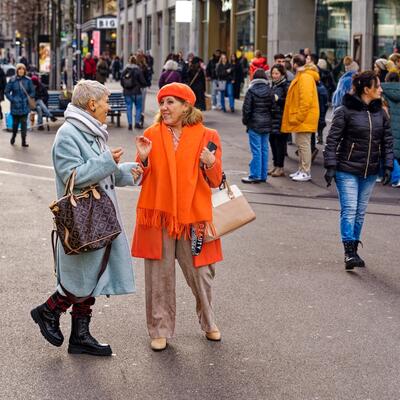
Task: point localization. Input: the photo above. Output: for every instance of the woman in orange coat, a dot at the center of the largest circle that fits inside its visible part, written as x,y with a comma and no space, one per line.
174,211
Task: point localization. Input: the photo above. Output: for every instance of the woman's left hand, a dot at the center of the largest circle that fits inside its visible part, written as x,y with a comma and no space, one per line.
207,158
137,172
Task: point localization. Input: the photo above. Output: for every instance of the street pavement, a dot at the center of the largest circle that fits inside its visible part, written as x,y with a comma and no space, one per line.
295,325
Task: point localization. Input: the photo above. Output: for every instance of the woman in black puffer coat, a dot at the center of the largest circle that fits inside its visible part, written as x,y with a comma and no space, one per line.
256,115
277,140
358,141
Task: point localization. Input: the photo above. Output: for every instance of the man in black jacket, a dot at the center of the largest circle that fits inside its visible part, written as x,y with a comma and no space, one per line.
256,115
133,81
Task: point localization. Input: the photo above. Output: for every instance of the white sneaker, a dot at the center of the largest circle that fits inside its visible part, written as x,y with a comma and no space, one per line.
213,107
294,174
397,184
379,179
302,177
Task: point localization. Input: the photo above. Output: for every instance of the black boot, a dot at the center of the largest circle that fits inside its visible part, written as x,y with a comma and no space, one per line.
24,144
350,260
49,323
81,341
360,261
12,140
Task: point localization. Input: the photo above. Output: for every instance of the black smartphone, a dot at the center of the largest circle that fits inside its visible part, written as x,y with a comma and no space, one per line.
211,146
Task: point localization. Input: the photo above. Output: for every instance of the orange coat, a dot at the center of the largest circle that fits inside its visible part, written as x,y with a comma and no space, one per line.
176,192
301,113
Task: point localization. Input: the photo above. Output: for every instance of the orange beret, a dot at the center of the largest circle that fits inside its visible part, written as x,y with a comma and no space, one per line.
176,89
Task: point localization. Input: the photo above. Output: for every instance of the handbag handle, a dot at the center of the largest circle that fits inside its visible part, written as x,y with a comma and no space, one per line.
225,185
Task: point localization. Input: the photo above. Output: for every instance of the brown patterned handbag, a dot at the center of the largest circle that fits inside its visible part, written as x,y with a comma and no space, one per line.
86,221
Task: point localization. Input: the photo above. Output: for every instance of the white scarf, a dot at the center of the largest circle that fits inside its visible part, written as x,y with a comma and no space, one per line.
82,120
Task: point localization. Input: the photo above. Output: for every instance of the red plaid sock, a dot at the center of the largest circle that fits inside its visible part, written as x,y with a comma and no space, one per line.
58,302
83,309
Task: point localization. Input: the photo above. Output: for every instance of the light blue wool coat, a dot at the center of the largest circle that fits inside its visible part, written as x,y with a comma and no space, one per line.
74,148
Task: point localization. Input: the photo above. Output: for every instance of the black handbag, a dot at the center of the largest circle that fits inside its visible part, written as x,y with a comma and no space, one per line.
84,222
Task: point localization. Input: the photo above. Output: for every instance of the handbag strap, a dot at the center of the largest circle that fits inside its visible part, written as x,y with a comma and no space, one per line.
194,78
103,265
23,88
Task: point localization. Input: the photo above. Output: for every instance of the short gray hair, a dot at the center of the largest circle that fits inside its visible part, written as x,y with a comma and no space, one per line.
86,90
171,65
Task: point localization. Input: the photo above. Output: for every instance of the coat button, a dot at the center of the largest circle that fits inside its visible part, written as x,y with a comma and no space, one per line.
106,187
112,187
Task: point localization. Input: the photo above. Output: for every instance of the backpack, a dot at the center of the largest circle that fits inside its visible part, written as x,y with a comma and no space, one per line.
128,79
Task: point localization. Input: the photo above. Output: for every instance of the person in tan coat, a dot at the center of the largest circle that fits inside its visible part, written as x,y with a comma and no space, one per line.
301,114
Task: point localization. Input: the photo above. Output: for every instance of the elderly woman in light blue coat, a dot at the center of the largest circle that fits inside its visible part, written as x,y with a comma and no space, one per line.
81,145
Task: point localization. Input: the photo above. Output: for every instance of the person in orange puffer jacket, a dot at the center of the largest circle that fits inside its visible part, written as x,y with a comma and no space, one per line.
258,62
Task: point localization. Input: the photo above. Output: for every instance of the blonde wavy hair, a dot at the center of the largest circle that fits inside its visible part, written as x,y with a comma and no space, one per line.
191,117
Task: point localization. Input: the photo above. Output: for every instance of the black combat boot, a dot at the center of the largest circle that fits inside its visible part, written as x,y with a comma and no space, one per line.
49,323
24,144
350,260
81,341
360,261
47,316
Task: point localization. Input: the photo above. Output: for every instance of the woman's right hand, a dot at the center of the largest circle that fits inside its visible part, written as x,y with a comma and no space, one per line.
143,147
117,154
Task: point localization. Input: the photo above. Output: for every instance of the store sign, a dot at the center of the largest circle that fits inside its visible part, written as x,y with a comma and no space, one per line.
183,11
106,23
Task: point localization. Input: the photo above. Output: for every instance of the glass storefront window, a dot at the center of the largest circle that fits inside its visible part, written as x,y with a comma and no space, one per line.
245,31
244,5
386,27
333,29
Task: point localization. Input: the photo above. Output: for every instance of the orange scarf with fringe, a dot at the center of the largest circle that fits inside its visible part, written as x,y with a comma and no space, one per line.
175,193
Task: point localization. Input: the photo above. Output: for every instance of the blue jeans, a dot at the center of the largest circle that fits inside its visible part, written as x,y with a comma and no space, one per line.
130,101
42,109
354,193
259,150
228,92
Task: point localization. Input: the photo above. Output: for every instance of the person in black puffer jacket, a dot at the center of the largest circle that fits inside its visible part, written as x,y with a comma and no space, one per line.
277,140
256,115
358,141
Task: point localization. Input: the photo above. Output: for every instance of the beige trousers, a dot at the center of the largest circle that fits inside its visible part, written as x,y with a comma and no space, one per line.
160,288
303,142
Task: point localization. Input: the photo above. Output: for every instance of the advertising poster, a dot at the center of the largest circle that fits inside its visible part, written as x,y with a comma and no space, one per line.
44,57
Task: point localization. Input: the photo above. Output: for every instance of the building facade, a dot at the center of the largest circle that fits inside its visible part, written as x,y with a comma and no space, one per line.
155,26
364,29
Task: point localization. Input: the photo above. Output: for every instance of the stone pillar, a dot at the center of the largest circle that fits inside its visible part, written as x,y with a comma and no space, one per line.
134,45
119,31
164,33
299,15
195,30
155,48
125,33
232,33
362,18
